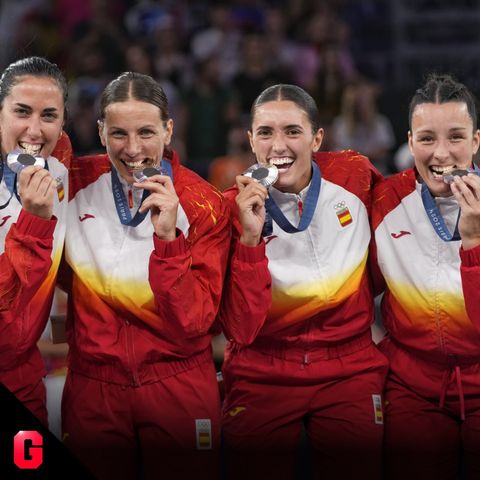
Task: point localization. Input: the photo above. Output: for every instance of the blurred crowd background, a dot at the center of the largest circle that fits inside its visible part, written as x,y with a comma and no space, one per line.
359,59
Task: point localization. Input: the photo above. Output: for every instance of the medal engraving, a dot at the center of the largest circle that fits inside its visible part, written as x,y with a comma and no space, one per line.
458,172
145,173
18,160
263,174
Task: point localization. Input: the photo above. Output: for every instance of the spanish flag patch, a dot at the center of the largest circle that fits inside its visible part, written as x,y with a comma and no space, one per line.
377,409
203,428
343,214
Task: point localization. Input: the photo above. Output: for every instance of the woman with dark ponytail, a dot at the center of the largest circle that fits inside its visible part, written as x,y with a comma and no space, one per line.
33,204
297,307
426,257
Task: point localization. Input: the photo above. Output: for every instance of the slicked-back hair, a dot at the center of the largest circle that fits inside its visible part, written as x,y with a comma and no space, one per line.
35,67
443,88
137,86
291,93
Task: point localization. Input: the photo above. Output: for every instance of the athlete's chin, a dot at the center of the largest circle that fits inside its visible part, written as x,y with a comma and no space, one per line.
283,181
439,190
125,173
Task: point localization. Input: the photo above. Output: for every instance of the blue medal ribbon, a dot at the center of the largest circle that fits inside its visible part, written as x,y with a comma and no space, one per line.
10,181
7,183
436,218
121,203
309,206
267,229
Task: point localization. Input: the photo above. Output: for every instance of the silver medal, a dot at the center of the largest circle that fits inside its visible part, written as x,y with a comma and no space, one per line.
448,177
145,173
266,175
17,160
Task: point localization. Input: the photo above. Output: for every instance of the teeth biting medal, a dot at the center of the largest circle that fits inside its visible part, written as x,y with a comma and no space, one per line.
145,173
17,160
266,175
449,176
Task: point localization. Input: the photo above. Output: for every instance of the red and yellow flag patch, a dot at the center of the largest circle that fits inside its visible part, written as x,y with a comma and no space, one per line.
343,214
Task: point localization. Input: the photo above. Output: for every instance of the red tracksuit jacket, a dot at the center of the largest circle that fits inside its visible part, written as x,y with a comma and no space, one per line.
31,249
310,288
139,306
432,294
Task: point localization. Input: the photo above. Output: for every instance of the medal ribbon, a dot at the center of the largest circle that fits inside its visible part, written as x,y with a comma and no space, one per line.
308,207
121,202
10,181
436,218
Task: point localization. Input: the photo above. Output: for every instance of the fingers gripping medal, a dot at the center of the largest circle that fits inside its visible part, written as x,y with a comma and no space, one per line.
266,176
145,173
18,160
263,174
449,176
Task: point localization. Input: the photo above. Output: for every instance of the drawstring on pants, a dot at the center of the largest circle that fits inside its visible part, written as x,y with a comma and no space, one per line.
456,374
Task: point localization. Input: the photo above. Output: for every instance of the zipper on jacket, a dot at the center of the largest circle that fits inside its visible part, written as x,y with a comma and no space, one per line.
131,354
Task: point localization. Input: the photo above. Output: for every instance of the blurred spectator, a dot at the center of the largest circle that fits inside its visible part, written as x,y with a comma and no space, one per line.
138,59
333,77
248,14
170,62
98,51
144,18
361,127
281,48
223,170
12,13
372,33
98,43
256,72
69,14
207,110
219,38
38,35
403,158
83,115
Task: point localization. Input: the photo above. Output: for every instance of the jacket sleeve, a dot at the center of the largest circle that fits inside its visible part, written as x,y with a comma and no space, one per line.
376,215
26,260
376,278
470,273
247,296
186,275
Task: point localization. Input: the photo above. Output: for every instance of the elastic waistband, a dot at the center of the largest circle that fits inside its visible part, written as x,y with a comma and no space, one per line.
322,352
144,374
447,361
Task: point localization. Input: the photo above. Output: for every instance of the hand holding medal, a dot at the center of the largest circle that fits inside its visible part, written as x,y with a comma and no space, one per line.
162,201
253,191
145,173
36,187
466,188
